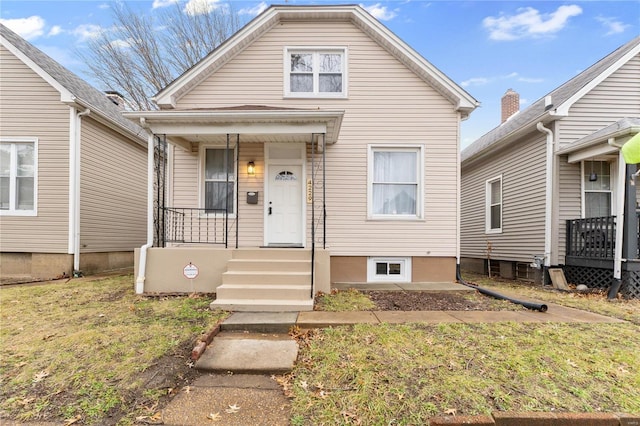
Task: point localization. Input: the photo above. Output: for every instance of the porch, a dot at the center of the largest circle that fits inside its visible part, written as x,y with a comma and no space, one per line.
591,252
239,197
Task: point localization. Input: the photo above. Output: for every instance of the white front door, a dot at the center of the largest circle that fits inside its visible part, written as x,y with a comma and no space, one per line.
284,205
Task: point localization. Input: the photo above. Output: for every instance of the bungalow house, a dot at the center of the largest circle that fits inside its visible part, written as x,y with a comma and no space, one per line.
72,171
549,186
312,147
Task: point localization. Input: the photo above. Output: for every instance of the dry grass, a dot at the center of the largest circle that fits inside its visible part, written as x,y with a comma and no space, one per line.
87,348
628,310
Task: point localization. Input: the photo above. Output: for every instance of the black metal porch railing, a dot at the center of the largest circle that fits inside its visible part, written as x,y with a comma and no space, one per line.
191,225
592,237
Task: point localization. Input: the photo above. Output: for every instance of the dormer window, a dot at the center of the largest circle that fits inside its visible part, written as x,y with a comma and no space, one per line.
317,73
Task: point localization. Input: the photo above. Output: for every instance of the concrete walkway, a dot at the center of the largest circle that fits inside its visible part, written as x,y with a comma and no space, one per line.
257,343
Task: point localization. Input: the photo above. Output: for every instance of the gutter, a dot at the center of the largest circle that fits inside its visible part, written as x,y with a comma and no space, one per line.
142,264
75,189
548,196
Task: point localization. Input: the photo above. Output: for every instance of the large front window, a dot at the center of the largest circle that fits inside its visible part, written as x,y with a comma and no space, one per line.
312,73
18,161
219,180
597,189
396,184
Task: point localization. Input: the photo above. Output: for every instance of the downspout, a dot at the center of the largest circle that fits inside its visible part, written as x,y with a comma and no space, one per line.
142,264
621,193
76,191
548,199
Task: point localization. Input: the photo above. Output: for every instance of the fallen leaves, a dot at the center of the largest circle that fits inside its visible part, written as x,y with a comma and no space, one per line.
40,376
232,409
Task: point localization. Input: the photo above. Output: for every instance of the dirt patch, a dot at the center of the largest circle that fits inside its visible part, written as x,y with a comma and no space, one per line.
444,301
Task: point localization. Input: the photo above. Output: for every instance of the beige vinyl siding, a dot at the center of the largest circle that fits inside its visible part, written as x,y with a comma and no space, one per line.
617,97
113,195
30,107
522,166
569,200
387,104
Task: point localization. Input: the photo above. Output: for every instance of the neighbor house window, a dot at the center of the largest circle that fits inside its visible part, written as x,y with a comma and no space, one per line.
597,189
396,269
395,189
219,180
315,73
18,176
494,205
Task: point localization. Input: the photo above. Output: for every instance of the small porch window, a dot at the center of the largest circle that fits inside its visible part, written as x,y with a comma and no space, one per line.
596,178
219,165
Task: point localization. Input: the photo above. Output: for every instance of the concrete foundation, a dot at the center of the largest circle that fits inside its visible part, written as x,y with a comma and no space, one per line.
24,267
353,269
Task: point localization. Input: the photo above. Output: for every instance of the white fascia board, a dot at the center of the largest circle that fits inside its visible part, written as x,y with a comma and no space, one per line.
102,118
240,128
466,102
65,95
167,97
591,152
563,109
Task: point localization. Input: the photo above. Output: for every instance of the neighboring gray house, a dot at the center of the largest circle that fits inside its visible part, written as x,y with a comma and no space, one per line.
550,182
72,171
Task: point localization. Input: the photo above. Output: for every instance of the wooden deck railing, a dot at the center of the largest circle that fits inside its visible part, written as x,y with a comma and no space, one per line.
591,238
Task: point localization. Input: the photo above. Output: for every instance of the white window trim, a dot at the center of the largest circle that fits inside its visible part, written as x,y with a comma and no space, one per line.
342,50
404,277
33,212
201,180
420,190
612,185
488,229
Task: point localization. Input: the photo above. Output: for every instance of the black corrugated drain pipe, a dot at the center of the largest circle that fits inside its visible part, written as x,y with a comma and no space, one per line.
528,305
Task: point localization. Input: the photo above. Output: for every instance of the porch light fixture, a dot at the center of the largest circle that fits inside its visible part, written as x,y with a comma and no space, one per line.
593,176
251,168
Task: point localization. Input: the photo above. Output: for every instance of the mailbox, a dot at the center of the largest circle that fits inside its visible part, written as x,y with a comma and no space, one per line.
252,197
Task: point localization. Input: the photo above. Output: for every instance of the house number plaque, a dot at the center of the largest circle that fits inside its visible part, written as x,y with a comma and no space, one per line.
309,191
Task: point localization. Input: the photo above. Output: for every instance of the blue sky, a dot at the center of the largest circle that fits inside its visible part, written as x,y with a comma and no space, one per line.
485,46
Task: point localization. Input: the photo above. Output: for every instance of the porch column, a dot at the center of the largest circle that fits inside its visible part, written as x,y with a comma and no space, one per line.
630,237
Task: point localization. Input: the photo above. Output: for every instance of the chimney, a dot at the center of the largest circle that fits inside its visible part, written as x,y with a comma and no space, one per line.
116,98
510,104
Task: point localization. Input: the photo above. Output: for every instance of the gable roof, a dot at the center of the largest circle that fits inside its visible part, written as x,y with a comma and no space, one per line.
71,87
561,99
462,100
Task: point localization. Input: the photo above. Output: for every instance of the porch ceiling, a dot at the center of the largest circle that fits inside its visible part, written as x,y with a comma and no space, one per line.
253,125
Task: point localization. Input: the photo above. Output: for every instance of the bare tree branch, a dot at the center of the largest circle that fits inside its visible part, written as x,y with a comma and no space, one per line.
142,54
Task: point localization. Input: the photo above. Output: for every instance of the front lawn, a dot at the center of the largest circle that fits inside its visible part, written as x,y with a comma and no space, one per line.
87,349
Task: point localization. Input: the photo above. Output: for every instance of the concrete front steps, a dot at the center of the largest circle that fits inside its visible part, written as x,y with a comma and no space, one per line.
266,280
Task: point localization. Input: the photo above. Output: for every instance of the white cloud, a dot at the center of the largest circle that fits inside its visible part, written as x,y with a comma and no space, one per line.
380,12
120,44
200,7
254,11
612,25
529,22
104,6
475,81
87,31
27,28
531,80
55,30
163,3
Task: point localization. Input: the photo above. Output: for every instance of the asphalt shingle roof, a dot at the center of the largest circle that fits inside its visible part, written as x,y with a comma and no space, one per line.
537,109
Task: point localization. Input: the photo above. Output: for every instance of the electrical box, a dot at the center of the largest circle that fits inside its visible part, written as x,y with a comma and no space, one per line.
252,197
